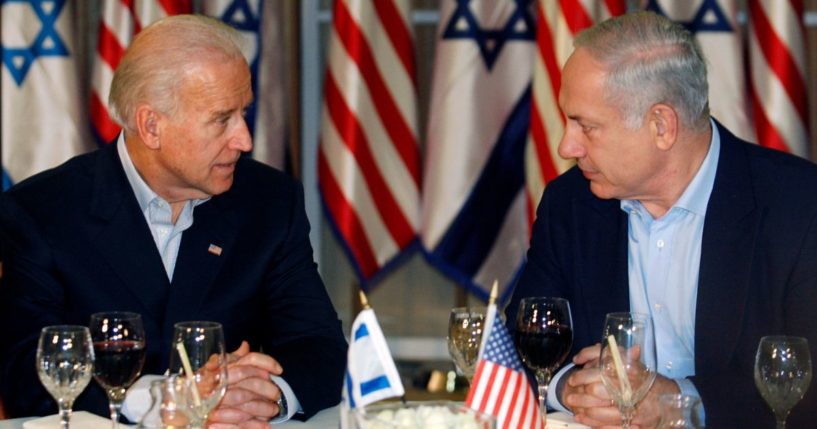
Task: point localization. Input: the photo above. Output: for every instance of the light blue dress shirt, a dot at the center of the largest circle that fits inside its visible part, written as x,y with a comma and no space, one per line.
664,258
157,211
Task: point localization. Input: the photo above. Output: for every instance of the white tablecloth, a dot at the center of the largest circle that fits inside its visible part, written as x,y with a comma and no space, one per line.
328,419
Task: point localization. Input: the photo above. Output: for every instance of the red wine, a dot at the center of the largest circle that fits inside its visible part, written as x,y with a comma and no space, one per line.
544,350
118,363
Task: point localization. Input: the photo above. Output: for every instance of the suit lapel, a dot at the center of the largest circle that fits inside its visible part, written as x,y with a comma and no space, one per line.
215,224
122,236
730,231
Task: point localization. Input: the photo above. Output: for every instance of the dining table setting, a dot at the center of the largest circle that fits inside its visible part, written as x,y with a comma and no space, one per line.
110,350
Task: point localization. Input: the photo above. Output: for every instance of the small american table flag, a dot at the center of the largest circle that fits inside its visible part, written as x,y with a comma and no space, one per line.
500,387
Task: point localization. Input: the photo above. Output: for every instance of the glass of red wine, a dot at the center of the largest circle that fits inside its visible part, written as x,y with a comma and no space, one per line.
544,336
119,345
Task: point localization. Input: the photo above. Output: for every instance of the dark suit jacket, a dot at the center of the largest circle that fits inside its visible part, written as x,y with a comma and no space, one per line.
758,272
77,243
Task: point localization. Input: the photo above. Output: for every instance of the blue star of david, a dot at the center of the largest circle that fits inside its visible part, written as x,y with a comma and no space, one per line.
47,43
701,21
464,25
239,14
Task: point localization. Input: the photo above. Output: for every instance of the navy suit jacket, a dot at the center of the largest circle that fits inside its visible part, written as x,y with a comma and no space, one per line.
758,271
76,242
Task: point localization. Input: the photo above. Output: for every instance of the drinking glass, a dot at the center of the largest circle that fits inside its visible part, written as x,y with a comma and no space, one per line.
627,362
65,359
199,360
465,326
119,345
782,373
679,411
544,336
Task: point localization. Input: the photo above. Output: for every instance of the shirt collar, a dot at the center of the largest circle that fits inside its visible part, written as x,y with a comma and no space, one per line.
144,195
696,195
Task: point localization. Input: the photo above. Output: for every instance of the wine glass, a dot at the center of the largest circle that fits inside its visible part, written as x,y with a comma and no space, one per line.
544,336
782,373
65,359
119,346
628,360
465,326
199,359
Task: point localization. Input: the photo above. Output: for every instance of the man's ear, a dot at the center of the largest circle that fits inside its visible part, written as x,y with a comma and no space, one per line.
663,125
147,126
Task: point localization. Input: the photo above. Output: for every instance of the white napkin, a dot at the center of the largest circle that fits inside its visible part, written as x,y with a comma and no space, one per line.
79,419
560,420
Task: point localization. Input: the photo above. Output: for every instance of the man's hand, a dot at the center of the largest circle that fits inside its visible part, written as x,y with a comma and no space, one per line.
586,396
251,398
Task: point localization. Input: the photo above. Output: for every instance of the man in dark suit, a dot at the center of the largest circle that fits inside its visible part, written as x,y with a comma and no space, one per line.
170,222
668,213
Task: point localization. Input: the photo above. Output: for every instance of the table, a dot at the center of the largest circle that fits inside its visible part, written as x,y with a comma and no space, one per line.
327,418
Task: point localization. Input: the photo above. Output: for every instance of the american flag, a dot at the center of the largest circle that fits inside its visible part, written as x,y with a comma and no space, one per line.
777,57
368,161
500,387
557,23
121,20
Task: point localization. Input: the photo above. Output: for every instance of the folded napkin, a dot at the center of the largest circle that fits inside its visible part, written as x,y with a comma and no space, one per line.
560,420
80,419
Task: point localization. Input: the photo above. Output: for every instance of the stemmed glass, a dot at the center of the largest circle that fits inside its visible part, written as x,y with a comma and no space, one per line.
119,345
782,373
465,326
544,336
200,361
627,362
65,360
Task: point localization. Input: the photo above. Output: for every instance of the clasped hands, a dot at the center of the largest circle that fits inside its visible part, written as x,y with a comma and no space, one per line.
585,395
251,397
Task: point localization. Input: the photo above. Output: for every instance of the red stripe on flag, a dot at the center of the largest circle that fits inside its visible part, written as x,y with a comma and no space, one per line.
402,137
475,382
353,137
490,386
576,17
175,7
542,146
780,60
499,388
767,134
401,40
544,45
512,405
105,127
346,219
108,47
616,7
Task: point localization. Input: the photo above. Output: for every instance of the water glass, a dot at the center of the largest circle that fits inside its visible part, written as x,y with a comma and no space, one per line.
199,360
679,412
628,360
465,326
65,359
782,373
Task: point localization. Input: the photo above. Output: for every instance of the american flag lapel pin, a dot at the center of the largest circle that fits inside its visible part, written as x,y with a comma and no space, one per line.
216,250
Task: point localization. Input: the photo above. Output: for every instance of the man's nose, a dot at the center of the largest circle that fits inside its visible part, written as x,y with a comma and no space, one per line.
242,140
570,146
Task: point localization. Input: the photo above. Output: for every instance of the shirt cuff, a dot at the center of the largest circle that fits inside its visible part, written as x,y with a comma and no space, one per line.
553,401
293,406
137,399
688,388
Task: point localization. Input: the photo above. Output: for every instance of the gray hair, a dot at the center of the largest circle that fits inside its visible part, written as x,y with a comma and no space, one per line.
153,68
650,59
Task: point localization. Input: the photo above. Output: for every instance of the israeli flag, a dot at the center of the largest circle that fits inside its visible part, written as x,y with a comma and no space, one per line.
370,374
